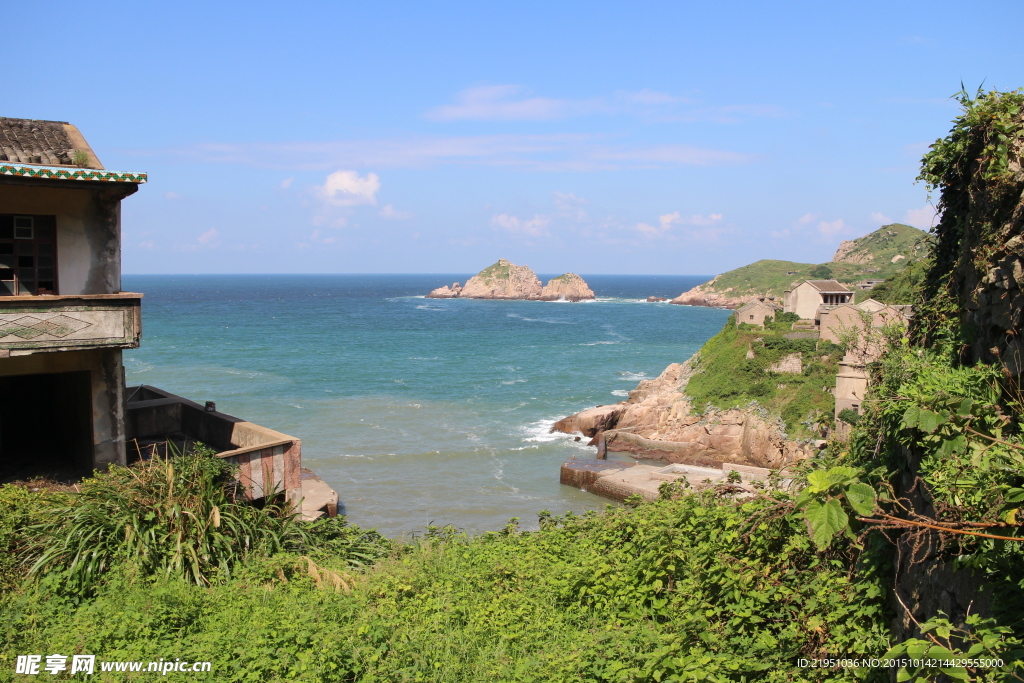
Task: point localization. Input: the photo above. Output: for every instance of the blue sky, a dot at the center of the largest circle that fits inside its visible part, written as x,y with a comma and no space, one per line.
675,138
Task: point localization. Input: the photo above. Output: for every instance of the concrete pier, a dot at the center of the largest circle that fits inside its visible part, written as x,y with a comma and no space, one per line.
620,480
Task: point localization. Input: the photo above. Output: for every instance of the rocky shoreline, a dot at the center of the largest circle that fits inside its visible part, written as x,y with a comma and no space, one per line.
506,280
657,423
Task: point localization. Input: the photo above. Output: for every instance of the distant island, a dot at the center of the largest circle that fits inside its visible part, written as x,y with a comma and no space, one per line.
506,280
861,263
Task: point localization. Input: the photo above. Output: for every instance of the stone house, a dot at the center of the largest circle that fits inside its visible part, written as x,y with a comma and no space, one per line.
64,322
806,298
834,322
866,319
754,312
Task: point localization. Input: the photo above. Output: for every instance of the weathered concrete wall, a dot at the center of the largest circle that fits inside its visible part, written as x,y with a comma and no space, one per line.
107,390
267,460
88,231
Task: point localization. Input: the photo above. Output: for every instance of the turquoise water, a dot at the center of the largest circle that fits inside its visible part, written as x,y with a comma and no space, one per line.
415,410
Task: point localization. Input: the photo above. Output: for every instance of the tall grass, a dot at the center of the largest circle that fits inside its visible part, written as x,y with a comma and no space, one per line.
177,517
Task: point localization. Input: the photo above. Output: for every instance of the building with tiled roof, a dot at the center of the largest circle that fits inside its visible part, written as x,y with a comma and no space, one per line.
64,321
806,298
754,312
49,143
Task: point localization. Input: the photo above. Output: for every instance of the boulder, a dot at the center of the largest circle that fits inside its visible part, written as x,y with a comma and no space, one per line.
446,292
570,287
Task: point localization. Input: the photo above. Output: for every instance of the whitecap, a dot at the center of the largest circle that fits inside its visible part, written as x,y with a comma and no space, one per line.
632,376
620,392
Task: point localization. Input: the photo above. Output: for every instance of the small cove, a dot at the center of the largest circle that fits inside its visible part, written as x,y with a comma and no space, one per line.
415,410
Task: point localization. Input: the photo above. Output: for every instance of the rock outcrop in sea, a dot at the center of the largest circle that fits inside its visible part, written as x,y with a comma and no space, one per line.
656,422
506,280
704,295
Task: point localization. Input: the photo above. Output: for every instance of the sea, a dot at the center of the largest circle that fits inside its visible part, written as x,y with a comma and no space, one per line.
416,411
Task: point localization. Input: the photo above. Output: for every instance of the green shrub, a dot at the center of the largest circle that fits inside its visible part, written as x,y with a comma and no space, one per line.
849,416
180,517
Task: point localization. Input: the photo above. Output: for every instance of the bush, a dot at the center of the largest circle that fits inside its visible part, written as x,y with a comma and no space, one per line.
849,416
180,517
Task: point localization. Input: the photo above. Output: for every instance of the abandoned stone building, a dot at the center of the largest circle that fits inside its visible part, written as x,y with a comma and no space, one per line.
754,312
64,322
806,298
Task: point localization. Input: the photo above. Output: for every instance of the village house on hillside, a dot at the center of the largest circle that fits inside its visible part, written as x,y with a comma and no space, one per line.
64,322
806,298
754,312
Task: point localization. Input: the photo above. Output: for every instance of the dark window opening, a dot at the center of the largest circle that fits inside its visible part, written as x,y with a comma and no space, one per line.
28,255
45,426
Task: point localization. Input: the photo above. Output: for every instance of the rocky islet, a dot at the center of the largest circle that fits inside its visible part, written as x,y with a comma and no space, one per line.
506,280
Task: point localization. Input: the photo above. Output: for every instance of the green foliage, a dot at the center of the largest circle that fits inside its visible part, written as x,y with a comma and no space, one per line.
904,287
982,651
828,498
789,318
850,417
822,272
80,158
726,378
177,517
495,271
979,195
695,587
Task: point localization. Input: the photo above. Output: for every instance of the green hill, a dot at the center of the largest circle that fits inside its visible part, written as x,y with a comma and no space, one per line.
878,255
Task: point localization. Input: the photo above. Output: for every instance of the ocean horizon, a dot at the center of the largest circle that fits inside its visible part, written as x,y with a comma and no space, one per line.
417,411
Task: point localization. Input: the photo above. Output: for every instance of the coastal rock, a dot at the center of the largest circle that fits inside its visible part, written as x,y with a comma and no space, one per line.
849,252
446,292
506,280
656,299
570,287
657,422
705,295
503,280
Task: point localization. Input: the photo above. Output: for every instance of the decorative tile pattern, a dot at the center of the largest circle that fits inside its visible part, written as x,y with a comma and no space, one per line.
29,327
71,173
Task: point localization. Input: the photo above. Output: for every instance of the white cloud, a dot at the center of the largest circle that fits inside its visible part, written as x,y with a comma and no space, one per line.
172,195
148,245
673,155
807,219
207,237
546,153
829,229
500,103
391,213
348,188
319,237
668,220
286,183
923,218
570,206
533,227
651,97
880,218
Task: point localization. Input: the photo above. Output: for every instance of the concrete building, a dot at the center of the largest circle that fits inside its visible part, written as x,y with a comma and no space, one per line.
866,319
806,298
754,312
63,317
64,322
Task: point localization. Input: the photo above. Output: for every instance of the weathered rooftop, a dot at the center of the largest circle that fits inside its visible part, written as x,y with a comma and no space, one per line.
48,143
828,286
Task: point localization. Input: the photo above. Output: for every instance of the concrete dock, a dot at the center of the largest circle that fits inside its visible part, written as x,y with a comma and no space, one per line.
620,480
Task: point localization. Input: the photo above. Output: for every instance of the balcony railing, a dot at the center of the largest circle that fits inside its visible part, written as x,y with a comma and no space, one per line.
32,324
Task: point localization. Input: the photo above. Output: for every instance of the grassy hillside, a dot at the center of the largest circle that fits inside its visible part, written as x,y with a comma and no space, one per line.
874,251
877,249
726,378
